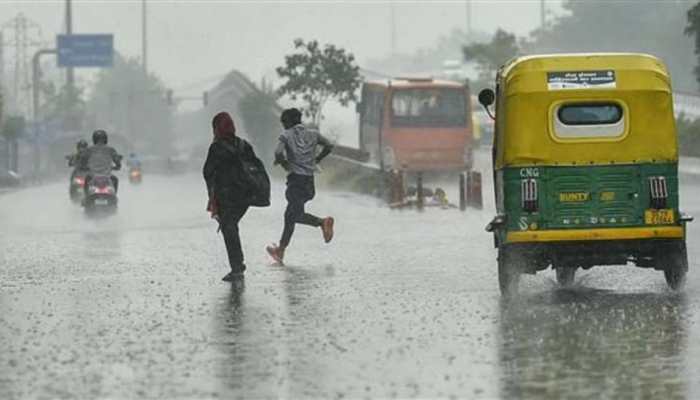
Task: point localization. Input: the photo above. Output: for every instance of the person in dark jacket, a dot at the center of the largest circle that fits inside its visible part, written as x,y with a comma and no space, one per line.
100,159
296,153
74,159
227,202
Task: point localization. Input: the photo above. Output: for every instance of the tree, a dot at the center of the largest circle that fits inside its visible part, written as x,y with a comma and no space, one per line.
427,60
688,136
647,26
261,120
317,74
127,101
62,106
490,56
693,29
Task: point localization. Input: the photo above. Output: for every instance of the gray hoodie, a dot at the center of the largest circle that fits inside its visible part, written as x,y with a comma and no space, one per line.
298,146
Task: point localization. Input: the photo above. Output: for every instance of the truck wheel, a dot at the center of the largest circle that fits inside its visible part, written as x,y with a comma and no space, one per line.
676,267
474,196
565,275
395,181
462,191
509,270
420,199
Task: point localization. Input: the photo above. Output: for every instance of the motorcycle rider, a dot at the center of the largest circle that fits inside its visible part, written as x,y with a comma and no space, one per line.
133,161
74,159
100,159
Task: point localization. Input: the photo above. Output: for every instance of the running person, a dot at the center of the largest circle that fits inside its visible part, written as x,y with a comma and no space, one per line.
296,153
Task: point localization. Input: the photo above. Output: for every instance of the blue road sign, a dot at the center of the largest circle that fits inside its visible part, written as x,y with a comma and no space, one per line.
85,50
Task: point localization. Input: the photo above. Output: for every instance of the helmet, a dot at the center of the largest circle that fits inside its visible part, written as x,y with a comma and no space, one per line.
82,144
99,136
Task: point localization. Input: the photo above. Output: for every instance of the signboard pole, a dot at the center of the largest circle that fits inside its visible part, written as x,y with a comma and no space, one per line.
70,78
35,105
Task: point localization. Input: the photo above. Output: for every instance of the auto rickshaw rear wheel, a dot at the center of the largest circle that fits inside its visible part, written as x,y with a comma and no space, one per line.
565,275
676,267
510,262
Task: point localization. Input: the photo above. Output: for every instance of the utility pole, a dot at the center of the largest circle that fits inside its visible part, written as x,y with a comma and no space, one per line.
20,27
393,29
70,77
144,37
36,76
468,5
543,20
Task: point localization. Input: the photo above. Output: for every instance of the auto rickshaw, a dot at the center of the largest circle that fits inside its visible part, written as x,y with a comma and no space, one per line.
585,165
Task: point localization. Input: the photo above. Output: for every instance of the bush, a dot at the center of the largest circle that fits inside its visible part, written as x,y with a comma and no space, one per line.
259,112
688,136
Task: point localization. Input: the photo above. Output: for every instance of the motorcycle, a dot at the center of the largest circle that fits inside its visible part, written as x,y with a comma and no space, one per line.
100,196
135,175
76,187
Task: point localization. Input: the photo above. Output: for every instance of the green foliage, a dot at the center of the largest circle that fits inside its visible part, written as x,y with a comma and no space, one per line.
261,120
490,56
316,74
431,58
648,26
693,29
14,127
127,101
64,105
688,136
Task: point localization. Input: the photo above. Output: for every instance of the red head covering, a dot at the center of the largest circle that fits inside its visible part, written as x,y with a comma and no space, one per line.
223,126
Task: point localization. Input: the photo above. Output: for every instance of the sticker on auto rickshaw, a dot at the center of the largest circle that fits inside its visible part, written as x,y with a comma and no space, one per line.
607,196
658,217
581,80
573,197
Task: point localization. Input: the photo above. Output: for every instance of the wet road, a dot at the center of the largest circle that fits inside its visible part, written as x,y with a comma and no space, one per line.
401,304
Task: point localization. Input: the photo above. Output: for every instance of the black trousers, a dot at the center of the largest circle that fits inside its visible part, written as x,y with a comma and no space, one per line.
300,189
229,217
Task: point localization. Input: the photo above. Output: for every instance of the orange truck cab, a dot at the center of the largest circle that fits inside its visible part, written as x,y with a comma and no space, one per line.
409,126
417,125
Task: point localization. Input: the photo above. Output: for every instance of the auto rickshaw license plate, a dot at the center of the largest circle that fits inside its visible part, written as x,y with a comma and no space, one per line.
658,217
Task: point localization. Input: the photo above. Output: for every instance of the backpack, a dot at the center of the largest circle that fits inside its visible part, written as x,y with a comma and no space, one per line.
252,174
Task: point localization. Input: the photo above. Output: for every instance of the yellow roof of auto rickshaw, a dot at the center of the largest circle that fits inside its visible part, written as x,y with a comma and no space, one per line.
534,67
642,85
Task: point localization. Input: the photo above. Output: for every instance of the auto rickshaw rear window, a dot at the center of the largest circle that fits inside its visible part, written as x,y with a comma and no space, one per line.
590,114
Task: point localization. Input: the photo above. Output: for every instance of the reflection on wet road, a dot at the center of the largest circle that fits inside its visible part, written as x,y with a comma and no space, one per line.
402,304
594,344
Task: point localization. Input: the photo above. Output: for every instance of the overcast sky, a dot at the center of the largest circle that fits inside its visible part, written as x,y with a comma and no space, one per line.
190,41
